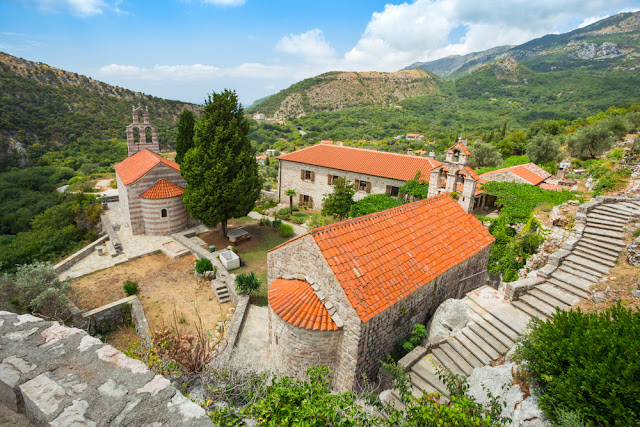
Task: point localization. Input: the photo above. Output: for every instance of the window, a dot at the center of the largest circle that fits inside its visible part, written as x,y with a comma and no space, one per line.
393,191
305,200
307,175
362,185
332,179
163,213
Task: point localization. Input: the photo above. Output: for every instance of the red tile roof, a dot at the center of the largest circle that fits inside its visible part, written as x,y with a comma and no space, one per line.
552,187
132,168
367,162
297,304
529,172
162,189
381,258
461,147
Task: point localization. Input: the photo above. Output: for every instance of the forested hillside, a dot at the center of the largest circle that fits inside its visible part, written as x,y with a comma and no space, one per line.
50,116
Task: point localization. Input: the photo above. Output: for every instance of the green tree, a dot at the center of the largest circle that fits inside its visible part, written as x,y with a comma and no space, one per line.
590,141
290,192
339,202
543,148
184,139
221,173
483,154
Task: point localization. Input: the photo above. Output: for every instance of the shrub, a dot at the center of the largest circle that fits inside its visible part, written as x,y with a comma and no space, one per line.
403,347
130,287
265,221
276,224
318,220
286,230
202,265
247,283
586,363
36,288
295,208
298,219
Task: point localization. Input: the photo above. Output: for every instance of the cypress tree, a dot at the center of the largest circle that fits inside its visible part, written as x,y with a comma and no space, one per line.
184,140
221,174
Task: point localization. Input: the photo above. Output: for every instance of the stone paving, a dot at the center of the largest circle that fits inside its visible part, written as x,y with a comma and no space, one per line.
298,229
134,246
253,342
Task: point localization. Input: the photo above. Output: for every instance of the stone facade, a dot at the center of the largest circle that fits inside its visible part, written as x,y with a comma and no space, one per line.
454,176
291,176
131,205
164,216
147,134
360,345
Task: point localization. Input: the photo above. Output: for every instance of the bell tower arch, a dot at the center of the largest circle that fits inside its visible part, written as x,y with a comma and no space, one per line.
141,133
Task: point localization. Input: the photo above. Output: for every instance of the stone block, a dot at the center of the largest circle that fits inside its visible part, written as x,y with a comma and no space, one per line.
513,290
558,256
43,398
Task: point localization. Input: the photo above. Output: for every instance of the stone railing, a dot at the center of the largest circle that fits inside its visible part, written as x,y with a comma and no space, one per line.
57,375
81,254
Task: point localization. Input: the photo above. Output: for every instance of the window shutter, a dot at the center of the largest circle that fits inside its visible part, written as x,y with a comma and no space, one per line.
313,176
302,174
388,190
300,199
369,187
357,184
329,179
310,202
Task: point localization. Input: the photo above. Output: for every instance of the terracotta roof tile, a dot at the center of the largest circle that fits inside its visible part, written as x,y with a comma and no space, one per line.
396,251
530,172
553,187
460,146
132,168
162,189
367,162
296,303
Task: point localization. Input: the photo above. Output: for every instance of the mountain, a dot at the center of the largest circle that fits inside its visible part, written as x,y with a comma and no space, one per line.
337,90
609,44
45,111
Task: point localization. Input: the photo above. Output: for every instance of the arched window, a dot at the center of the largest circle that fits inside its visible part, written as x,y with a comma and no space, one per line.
147,133
140,116
163,213
456,156
136,136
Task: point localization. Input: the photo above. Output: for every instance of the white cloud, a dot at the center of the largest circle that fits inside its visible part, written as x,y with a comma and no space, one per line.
230,3
310,45
194,72
81,8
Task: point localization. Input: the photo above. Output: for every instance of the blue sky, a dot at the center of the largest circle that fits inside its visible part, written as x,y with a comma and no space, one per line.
184,49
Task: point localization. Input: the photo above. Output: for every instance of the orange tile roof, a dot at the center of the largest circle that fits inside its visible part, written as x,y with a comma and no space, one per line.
473,174
297,304
381,258
461,146
132,168
552,187
402,167
529,172
162,189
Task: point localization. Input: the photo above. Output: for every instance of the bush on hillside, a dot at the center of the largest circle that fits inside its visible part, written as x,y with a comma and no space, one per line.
202,265
587,363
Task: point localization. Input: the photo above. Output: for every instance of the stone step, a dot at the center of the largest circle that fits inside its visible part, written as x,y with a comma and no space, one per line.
443,360
568,288
504,329
601,226
538,305
420,385
521,305
502,338
619,207
488,338
616,213
595,257
512,318
604,233
573,279
582,268
635,208
464,352
395,401
426,370
603,239
588,277
596,251
606,218
588,263
548,299
473,349
456,358
615,248
475,307
490,351
566,297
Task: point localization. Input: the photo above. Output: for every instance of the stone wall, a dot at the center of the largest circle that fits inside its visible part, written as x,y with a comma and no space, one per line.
69,261
113,237
160,171
62,376
362,345
295,349
155,224
505,177
290,178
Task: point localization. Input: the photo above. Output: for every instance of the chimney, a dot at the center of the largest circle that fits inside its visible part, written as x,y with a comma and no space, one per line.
432,154
410,151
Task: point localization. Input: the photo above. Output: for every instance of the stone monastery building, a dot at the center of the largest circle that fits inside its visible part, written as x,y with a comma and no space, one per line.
529,173
342,294
313,170
150,187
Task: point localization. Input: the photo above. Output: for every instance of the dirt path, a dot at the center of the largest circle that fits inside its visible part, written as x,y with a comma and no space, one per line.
163,284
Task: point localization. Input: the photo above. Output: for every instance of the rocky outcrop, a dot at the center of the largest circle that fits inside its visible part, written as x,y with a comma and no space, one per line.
451,316
633,253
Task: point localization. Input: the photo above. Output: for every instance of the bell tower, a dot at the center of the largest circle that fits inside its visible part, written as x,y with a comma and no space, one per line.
141,133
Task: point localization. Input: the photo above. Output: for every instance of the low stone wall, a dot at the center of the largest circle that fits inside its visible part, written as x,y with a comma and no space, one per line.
57,375
113,237
235,326
81,254
513,290
108,199
271,195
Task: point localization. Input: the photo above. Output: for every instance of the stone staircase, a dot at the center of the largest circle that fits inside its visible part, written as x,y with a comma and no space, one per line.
222,293
498,319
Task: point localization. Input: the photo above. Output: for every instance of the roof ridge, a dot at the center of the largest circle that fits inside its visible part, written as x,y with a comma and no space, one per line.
389,211
429,159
